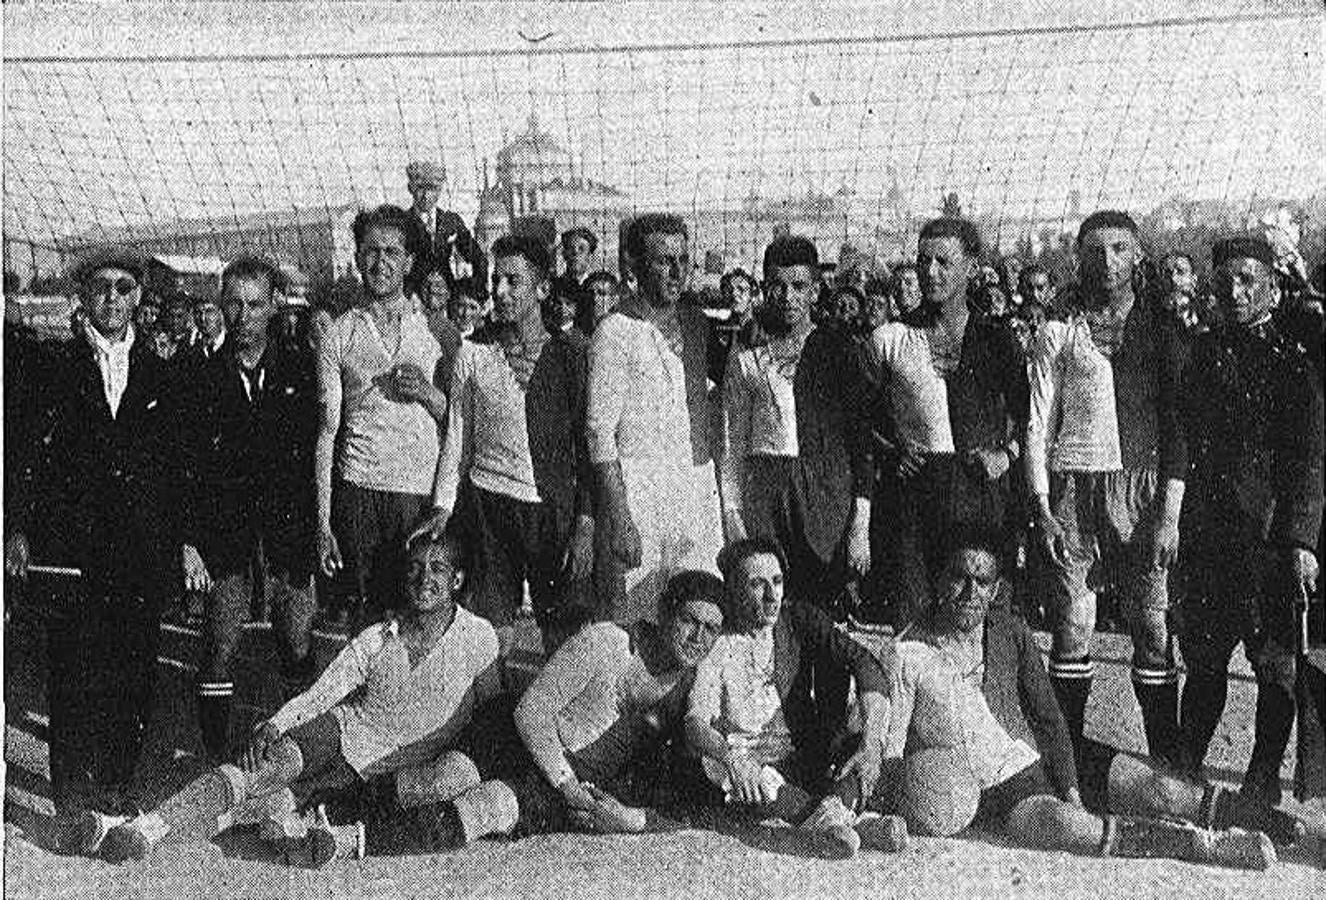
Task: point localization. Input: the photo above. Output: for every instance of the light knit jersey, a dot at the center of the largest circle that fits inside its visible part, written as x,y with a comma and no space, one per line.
759,415
1073,424
735,692
385,445
918,394
595,682
935,700
487,433
404,714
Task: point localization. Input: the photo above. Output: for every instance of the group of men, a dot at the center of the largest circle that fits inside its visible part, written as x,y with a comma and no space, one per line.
588,461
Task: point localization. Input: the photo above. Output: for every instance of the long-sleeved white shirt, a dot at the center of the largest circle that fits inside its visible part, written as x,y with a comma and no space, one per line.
918,394
405,714
594,681
487,434
384,445
636,407
1072,425
759,416
935,700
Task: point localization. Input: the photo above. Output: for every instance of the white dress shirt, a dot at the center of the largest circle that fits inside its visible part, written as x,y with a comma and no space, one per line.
113,361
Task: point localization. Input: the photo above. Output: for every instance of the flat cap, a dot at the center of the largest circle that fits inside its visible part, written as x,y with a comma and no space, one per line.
426,172
1242,246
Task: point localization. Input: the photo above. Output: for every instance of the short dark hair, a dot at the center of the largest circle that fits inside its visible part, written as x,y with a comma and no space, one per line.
642,226
601,275
1028,272
251,268
389,216
733,274
971,536
456,539
580,232
526,246
688,586
968,235
734,554
790,250
1105,218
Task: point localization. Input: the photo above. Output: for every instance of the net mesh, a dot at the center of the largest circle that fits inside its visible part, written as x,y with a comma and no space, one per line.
849,141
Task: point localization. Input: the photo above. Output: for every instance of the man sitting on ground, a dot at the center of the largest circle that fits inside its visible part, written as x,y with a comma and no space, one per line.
391,702
977,735
761,737
590,732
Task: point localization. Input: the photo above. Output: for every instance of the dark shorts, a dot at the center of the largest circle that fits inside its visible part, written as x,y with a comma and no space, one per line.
517,543
326,771
1093,777
371,528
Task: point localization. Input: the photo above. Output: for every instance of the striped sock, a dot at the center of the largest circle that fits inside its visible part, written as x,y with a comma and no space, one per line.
214,701
1157,690
1071,678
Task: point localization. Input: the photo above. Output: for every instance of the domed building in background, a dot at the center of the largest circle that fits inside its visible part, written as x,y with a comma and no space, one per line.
536,178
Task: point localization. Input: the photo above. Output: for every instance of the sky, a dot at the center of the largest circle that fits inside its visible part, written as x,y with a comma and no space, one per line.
130,114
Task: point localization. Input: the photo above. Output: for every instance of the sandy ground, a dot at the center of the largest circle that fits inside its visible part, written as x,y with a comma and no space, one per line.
683,864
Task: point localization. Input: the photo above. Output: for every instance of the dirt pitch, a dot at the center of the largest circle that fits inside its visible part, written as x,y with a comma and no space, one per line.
685,864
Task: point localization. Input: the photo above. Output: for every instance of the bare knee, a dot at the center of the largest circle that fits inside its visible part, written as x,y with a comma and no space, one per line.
1073,630
1150,639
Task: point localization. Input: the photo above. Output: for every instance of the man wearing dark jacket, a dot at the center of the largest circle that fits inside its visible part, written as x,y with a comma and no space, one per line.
251,425
1246,414
449,247
110,489
972,714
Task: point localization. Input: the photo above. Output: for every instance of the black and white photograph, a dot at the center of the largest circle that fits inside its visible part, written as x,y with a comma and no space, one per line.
639,449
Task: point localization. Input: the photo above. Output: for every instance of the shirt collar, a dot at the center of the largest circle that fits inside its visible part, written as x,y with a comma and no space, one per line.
104,346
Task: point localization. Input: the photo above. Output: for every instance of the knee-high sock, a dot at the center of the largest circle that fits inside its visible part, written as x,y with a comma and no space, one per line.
1157,693
1071,679
1275,718
214,701
1203,704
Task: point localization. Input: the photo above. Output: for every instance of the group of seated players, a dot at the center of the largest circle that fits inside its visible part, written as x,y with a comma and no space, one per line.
706,716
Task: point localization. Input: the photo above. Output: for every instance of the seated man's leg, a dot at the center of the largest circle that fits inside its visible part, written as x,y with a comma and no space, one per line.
291,561
226,610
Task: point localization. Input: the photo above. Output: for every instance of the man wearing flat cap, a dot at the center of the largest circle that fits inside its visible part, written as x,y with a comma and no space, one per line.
1246,411
449,246
111,494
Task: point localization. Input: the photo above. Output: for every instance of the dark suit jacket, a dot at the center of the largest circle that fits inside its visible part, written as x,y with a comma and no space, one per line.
112,489
450,231
834,450
1244,411
249,462
555,416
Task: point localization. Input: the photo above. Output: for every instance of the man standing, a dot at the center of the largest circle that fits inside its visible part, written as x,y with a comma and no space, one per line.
491,462
211,324
794,467
578,248
1178,291
1092,452
251,429
647,422
955,391
1248,445
380,414
112,489
447,245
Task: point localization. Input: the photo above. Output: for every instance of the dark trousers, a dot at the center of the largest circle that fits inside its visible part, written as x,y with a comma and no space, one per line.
517,544
909,525
775,505
103,651
371,528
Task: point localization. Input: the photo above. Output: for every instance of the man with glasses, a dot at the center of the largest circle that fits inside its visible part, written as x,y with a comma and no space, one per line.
110,490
